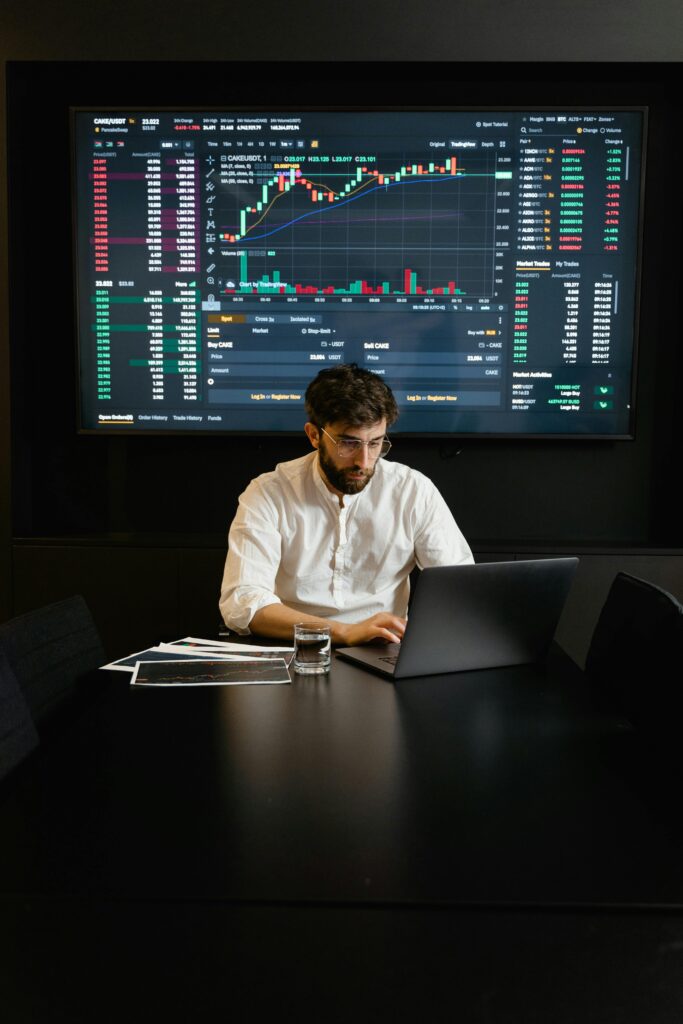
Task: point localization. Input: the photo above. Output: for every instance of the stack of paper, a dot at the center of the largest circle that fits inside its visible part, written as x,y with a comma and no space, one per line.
196,662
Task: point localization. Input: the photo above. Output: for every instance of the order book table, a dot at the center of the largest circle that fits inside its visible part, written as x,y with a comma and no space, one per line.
460,799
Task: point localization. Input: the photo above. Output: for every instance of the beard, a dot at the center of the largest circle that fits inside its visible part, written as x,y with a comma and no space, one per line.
340,478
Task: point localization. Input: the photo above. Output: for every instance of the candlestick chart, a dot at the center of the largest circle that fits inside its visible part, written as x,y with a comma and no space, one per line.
333,225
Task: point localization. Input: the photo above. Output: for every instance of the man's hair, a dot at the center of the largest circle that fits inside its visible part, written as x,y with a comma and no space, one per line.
349,394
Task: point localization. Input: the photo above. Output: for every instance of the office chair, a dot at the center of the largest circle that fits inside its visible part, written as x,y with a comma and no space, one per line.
18,736
50,650
636,654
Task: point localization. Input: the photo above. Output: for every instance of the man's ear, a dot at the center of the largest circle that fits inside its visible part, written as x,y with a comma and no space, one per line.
312,433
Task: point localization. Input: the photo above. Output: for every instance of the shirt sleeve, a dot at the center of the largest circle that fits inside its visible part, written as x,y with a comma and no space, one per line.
251,566
439,540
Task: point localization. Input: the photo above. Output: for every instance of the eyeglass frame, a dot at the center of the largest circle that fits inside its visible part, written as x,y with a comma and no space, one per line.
357,443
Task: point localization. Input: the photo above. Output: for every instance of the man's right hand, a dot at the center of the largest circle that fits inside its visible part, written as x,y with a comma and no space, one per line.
381,626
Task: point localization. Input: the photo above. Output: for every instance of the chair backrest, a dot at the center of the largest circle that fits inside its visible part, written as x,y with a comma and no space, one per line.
18,736
49,651
635,658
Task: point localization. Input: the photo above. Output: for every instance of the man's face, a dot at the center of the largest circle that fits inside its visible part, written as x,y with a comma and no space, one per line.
347,474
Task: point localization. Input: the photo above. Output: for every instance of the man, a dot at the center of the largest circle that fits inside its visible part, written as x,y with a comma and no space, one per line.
332,537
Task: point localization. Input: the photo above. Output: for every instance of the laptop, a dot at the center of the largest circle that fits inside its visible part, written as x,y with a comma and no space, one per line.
466,617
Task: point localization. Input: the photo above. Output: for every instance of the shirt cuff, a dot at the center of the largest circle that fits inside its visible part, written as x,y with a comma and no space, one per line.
241,606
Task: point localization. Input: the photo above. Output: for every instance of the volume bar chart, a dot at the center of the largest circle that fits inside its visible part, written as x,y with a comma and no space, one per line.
272,284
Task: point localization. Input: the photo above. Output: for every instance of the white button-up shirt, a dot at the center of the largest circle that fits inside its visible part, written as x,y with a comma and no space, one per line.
292,543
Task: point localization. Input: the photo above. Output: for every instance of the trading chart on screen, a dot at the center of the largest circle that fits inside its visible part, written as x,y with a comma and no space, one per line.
483,263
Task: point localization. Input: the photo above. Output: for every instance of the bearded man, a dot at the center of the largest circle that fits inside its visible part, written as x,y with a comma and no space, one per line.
332,538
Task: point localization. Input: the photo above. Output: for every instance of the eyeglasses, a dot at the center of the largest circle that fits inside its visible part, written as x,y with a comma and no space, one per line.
347,447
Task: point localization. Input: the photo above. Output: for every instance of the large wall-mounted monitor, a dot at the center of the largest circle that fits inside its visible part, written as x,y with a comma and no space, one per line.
484,262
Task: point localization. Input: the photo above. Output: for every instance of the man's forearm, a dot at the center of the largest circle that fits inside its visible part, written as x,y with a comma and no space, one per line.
278,621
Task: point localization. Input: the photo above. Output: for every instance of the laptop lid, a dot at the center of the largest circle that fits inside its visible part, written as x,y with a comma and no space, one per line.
467,617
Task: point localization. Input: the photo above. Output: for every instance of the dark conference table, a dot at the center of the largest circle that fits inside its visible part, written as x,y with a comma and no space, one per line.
488,842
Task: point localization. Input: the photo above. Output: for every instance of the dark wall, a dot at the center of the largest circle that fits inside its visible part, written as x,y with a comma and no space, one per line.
462,30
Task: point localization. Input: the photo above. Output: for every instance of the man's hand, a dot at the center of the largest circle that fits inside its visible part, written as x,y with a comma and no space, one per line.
381,626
